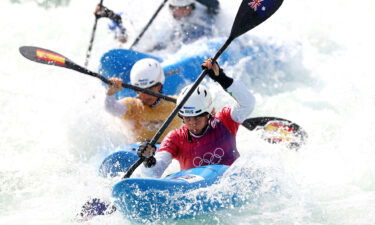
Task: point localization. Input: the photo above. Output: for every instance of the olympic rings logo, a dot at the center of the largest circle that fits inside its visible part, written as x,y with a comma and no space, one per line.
209,158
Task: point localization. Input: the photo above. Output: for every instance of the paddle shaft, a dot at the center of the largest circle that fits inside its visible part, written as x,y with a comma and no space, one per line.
49,57
175,111
148,24
88,53
78,68
187,96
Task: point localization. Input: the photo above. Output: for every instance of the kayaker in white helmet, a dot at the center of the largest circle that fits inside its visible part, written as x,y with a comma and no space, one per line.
144,113
205,138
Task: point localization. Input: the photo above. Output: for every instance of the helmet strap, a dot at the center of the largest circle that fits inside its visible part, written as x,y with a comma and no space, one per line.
156,102
160,91
190,135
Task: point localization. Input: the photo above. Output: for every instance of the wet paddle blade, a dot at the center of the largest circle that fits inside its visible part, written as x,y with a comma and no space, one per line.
44,56
278,131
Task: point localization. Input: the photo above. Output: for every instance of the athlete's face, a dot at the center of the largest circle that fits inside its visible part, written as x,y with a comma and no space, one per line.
196,124
181,12
149,99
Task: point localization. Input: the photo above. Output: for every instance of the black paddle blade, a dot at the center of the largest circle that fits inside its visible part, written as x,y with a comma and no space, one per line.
44,56
277,130
252,13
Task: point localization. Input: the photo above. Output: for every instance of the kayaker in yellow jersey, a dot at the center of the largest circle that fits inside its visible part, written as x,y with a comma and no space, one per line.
145,113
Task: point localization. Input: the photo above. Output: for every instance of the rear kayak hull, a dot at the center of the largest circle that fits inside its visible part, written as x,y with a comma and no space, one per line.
180,195
184,194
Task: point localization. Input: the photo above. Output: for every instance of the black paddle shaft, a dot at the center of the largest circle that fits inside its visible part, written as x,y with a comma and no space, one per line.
124,85
167,122
248,17
88,53
175,111
148,24
49,57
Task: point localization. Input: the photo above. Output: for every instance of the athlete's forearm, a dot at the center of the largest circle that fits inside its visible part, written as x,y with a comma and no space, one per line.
163,159
113,106
245,101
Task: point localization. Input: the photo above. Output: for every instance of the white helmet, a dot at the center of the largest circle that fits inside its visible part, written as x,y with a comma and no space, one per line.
181,3
146,73
199,102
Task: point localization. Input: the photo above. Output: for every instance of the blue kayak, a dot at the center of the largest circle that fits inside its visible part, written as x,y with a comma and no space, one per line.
184,66
119,161
175,196
183,194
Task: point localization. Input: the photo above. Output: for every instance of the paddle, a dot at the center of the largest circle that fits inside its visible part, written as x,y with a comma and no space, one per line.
277,130
148,24
49,57
88,53
249,15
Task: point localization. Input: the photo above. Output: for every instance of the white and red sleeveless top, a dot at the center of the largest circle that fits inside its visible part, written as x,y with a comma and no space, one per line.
216,146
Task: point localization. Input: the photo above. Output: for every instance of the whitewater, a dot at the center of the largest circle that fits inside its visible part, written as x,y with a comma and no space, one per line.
54,130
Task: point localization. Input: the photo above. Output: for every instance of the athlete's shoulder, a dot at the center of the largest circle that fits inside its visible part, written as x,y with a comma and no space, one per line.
224,113
167,105
178,134
133,105
224,116
131,101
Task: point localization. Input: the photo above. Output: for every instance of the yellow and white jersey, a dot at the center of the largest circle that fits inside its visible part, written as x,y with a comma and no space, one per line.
144,120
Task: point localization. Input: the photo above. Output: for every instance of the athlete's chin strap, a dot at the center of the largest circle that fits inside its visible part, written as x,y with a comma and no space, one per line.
190,135
157,100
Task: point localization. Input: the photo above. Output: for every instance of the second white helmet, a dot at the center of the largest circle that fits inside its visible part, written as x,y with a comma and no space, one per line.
146,73
181,3
199,102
